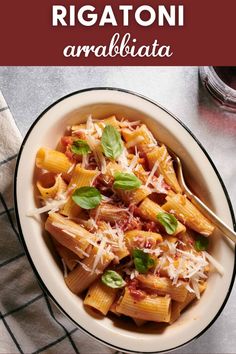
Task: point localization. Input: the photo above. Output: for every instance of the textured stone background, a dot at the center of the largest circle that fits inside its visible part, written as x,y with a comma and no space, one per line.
29,90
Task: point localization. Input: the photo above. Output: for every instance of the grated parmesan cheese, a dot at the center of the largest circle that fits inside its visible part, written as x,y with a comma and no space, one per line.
215,263
85,161
51,206
98,130
82,251
195,288
90,125
65,273
88,269
123,160
134,274
133,163
190,266
158,184
153,171
95,146
151,137
70,230
101,249
71,168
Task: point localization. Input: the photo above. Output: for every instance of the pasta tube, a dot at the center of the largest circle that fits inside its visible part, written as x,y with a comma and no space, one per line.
69,257
59,186
165,166
52,161
150,308
133,197
113,308
141,173
141,136
109,213
83,275
177,307
142,239
163,286
108,121
80,178
101,123
188,214
68,233
120,251
112,168
100,297
149,210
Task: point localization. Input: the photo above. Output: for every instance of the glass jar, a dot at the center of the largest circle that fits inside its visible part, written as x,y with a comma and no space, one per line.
220,81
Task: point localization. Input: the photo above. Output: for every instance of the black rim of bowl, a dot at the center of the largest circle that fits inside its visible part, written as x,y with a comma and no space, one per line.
29,256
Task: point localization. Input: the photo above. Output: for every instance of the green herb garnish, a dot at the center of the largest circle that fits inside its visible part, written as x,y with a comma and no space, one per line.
87,197
169,222
142,261
201,243
80,147
111,142
113,279
126,181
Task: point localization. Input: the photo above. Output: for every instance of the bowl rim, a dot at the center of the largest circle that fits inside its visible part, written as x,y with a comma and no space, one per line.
41,282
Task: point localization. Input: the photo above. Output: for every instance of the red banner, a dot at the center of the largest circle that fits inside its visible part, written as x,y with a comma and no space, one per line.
167,32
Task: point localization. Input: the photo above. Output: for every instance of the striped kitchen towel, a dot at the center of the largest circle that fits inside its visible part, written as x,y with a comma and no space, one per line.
29,322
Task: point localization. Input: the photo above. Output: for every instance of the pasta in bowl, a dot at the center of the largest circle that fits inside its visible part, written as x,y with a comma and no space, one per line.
129,240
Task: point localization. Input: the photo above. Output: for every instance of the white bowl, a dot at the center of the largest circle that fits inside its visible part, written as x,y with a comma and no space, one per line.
202,177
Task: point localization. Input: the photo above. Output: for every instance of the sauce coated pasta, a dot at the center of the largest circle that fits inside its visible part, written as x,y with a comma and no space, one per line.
130,241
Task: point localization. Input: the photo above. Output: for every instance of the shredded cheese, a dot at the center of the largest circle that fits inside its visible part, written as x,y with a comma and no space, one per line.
134,274
52,206
215,263
65,273
99,254
90,125
85,161
133,163
153,171
195,288
190,266
82,251
71,168
123,160
95,146
151,137
88,269
98,130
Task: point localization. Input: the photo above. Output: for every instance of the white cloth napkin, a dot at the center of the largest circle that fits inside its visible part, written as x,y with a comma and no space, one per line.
29,320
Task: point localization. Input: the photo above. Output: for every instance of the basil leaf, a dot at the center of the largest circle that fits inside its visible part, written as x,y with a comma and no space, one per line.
111,142
201,243
169,222
87,197
80,147
113,279
126,181
142,261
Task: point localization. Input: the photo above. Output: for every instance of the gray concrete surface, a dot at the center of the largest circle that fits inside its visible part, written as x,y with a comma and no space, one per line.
29,90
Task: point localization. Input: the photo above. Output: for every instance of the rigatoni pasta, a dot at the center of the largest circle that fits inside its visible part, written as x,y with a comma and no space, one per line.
149,210
100,297
150,308
188,213
53,161
120,222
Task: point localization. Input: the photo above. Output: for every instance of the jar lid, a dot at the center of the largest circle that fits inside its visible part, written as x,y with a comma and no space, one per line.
222,92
